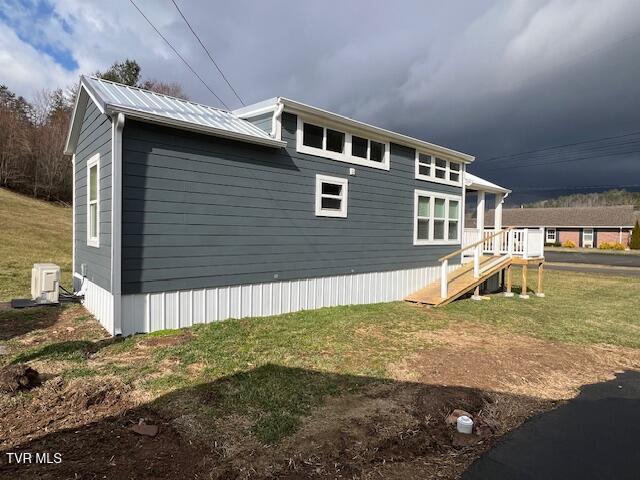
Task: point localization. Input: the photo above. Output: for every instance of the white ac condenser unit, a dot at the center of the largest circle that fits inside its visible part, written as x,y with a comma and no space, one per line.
45,279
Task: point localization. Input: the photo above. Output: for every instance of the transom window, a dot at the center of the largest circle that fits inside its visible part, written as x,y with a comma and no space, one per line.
437,218
551,235
436,169
93,201
331,196
343,146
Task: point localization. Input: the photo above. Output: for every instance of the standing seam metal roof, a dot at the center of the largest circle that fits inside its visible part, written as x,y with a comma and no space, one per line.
117,96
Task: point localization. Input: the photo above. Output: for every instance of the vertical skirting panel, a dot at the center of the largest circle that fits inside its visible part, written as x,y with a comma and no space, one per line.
169,310
99,302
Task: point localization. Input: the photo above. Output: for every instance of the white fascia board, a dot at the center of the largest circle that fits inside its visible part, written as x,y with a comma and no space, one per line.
255,109
346,122
184,125
568,226
85,93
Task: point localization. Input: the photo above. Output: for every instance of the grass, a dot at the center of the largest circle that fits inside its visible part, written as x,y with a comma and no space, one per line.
274,371
31,231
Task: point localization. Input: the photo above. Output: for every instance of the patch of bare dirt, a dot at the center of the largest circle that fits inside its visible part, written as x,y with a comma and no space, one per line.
505,362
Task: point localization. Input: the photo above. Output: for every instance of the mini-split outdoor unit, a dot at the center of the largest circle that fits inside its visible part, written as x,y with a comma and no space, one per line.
45,279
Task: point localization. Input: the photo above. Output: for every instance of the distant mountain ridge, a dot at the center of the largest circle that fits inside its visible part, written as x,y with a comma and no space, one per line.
595,199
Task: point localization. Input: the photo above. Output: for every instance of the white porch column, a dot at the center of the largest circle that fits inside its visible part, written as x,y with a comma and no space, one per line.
480,214
497,223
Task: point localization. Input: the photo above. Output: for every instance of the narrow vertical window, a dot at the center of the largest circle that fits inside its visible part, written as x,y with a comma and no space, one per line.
331,196
93,199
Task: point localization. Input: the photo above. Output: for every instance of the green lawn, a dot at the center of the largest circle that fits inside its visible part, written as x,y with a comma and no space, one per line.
31,231
273,371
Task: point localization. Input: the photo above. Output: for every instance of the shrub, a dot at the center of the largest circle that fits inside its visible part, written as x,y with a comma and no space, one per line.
568,244
611,246
634,244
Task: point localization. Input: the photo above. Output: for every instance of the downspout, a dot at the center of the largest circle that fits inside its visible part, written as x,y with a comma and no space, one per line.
276,124
117,125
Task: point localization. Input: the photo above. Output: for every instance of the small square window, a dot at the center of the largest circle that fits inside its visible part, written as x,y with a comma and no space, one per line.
312,135
377,152
331,196
441,163
359,146
335,141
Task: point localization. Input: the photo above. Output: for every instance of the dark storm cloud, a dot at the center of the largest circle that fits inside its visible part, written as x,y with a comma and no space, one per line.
485,77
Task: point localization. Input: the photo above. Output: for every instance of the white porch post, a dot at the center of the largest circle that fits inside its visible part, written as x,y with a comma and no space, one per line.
480,214
497,224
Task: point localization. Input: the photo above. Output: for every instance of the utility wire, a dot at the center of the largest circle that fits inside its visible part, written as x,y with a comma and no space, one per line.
554,147
179,56
590,157
208,53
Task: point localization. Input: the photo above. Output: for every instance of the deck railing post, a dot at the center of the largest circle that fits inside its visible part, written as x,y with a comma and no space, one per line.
443,278
476,261
497,243
525,243
510,237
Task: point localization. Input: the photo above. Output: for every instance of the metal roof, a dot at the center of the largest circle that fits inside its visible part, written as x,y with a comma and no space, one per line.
151,106
473,182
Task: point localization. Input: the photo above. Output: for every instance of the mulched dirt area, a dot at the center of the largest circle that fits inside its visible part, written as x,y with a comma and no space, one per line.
391,429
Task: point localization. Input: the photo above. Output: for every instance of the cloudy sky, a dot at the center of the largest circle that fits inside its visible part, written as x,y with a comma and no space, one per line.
492,78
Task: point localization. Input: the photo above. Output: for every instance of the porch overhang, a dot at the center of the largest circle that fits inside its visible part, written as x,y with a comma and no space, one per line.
473,182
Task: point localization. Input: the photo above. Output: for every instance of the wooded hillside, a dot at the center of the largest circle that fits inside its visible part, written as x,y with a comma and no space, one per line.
596,199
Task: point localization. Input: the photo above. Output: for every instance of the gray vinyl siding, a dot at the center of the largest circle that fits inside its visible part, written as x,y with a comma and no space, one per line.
95,137
263,121
200,211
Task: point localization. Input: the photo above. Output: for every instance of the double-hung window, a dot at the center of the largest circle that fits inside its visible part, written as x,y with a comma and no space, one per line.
551,235
93,201
436,219
331,196
435,169
316,139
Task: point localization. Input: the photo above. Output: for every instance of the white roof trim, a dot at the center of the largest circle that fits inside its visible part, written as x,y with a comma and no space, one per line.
298,107
473,182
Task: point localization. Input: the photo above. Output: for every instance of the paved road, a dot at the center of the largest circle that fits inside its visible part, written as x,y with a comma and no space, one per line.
594,258
597,269
594,436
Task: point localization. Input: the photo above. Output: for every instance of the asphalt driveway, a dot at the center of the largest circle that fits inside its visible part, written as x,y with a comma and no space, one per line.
594,436
593,258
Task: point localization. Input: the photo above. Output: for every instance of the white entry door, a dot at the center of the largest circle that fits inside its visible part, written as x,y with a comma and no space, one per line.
587,237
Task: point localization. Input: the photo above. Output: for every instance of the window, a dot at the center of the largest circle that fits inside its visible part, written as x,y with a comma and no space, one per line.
331,196
436,169
93,201
551,235
437,218
343,146
587,237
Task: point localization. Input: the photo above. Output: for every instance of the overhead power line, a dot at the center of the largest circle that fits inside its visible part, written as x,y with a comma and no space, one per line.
207,51
178,54
570,160
553,147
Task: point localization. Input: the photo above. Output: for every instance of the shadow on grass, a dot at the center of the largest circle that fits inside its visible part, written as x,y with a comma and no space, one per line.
17,322
203,429
73,350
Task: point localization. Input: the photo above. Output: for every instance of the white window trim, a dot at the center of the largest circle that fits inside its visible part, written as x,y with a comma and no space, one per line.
93,241
584,231
433,196
321,212
555,235
432,177
346,155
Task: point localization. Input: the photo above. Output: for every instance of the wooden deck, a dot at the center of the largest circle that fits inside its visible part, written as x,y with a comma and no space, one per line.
461,280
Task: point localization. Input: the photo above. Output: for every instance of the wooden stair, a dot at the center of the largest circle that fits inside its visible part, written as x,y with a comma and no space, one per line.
461,281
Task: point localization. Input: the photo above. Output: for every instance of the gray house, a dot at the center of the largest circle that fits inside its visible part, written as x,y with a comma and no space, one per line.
185,214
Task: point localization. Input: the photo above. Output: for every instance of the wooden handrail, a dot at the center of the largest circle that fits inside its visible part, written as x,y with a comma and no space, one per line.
475,244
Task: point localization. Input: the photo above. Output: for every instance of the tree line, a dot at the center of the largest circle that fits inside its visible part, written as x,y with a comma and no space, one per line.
596,199
33,133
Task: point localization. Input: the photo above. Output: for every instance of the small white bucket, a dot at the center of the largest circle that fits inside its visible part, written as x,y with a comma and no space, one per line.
464,424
